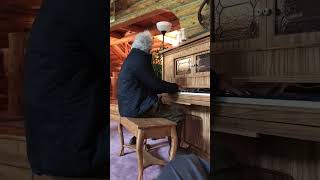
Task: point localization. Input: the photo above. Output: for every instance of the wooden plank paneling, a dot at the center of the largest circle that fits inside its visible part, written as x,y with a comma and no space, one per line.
293,158
271,65
185,10
200,80
15,73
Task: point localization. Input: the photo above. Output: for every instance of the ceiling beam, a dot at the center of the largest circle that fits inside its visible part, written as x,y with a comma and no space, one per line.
115,53
116,35
137,19
27,3
154,31
135,28
119,51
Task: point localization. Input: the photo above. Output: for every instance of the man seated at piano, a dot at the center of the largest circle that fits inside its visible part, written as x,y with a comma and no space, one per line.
138,86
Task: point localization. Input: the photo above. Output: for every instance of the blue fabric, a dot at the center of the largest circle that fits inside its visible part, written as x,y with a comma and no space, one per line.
138,85
185,167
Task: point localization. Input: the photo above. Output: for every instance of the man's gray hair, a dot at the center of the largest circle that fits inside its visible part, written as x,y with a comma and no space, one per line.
143,41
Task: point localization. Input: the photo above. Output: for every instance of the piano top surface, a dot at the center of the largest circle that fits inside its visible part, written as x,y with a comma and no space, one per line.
269,102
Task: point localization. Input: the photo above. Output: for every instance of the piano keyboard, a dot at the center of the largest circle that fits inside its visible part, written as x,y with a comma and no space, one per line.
194,94
189,96
195,90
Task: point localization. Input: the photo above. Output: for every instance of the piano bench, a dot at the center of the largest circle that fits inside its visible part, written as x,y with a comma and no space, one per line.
142,129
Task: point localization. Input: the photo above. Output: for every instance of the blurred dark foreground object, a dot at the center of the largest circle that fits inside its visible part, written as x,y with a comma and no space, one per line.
224,166
185,167
36,177
65,90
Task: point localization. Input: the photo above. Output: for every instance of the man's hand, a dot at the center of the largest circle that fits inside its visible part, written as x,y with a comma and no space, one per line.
179,85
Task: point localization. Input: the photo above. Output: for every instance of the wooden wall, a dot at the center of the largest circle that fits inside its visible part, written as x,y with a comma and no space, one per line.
185,10
297,159
16,16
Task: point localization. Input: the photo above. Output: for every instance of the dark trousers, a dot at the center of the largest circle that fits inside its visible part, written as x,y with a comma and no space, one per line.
170,112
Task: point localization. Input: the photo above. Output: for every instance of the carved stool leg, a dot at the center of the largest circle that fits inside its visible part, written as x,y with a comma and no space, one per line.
169,142
145,144
174,142
139,150
120,131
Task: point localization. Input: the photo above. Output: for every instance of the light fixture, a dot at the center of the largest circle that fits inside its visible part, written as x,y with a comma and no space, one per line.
163,27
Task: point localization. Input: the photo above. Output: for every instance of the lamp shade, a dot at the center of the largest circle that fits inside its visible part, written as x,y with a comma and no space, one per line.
164,26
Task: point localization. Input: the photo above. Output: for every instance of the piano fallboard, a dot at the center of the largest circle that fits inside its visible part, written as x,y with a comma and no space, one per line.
187,98
254,117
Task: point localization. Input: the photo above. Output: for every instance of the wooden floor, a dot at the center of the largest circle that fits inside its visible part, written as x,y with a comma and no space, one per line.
13,157
12,126
14,163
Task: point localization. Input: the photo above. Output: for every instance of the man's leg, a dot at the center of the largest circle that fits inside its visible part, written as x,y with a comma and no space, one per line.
170,112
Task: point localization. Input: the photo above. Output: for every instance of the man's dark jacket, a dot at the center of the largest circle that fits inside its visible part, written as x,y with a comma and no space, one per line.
138,85
65,90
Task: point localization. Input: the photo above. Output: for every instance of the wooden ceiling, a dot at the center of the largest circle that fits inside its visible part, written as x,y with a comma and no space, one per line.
122,34
16,16
145,22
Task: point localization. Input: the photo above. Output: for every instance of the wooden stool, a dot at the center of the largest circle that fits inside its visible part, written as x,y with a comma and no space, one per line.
142,129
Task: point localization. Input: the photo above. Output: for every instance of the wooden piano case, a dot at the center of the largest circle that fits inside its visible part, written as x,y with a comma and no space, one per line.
282,47
189,66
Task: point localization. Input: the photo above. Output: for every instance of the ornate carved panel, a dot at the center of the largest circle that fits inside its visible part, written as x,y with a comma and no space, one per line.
236,19
183,66
297,16
203,62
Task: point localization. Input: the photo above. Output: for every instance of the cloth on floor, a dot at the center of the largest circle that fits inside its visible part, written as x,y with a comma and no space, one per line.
185,167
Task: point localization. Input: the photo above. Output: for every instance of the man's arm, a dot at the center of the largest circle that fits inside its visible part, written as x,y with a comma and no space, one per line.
146,75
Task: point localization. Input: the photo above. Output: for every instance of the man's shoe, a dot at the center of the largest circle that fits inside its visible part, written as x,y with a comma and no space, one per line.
133,141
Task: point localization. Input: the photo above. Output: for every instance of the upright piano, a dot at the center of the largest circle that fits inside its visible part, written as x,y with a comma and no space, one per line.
189,66
267,106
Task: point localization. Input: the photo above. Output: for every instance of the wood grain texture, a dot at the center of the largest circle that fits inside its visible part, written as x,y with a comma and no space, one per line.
6,58
278,138
275,65
15,72
196,130
190,49
185,10
186,99
294,158
144,128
